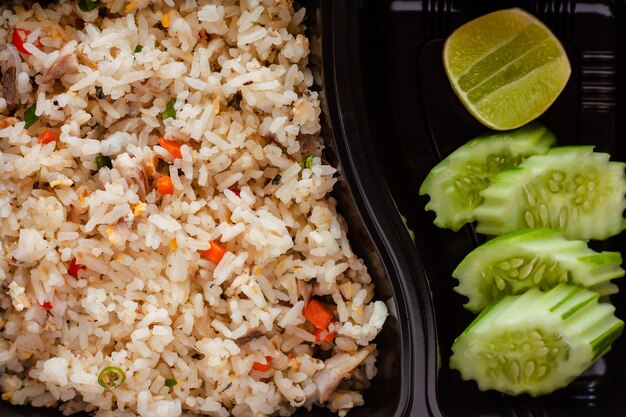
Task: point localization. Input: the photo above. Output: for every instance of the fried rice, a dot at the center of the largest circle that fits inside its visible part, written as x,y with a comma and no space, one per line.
168,244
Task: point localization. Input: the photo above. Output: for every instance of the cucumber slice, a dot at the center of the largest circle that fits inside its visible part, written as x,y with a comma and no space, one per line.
571,189
534,258
536,342
454,184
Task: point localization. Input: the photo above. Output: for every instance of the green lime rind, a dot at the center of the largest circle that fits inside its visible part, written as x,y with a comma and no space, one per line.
506,67
535,258
455,183
570,188
536,342
519,102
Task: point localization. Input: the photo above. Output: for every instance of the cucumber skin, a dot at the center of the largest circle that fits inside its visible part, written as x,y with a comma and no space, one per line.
439,184
584,266
505,199
571,316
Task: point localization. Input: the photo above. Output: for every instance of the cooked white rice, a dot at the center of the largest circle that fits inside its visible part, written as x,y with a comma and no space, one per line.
146,300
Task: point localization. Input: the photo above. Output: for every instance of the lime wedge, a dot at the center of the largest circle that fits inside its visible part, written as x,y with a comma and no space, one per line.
506,67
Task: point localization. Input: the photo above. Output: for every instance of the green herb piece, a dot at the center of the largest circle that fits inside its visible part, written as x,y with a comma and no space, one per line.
312,281
30,117
307,162
276,180
170,111
170,382
138,48
235,100
103,161
88,5
111,377
195,356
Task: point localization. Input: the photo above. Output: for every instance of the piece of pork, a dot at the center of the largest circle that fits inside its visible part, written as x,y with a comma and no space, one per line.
249,337
134,174
309,144
66,63
305,291
9,78
336,369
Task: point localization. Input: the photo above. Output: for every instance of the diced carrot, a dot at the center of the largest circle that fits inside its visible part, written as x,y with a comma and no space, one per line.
74,268
47,136
165,185
263,367
171,146
327,338
318,315
215,252
291,356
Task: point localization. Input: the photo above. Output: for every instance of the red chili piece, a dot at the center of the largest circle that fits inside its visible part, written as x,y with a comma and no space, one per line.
18,38
47,305
263,367
75,267
318,336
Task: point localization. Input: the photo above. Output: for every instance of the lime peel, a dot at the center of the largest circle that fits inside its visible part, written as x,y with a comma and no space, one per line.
506,67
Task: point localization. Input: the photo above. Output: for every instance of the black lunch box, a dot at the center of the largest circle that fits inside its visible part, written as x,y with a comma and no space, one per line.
389,115
376,232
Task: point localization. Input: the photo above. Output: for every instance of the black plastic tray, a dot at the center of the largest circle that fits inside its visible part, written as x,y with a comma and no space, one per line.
415,120
407,356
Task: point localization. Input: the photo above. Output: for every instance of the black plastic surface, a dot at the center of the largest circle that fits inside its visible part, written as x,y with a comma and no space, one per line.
415,120
407,359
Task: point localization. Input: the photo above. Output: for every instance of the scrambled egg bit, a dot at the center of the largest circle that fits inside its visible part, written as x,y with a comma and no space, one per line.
18,296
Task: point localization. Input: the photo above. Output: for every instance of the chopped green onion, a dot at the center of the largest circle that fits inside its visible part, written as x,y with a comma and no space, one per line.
170,382
103,161
88,5
235,101
170,111
111,377
30,117
138,48
307,162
